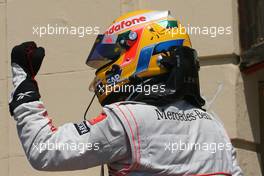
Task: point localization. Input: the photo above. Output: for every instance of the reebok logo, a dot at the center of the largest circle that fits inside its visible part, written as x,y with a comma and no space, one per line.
125,24
22,95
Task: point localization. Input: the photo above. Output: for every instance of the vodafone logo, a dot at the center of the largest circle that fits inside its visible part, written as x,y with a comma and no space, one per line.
125,24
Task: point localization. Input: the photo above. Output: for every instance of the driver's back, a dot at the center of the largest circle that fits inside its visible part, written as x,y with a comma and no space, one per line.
178,139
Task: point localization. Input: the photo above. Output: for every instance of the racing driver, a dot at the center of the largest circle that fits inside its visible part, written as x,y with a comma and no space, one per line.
152,122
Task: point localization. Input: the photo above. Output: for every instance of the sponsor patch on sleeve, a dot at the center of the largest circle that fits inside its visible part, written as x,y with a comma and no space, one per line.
82,128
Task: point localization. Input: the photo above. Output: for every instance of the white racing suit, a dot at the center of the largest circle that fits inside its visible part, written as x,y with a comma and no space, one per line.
132,138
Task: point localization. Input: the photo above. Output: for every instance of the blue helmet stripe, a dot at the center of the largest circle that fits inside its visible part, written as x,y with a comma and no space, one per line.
165,46
146,53
144,58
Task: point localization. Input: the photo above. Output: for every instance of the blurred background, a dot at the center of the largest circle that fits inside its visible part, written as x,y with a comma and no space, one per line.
231,76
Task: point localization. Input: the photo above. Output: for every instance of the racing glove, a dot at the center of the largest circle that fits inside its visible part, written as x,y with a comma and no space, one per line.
26,60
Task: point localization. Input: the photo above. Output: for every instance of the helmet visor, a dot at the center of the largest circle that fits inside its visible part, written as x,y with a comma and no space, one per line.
105,49
108,48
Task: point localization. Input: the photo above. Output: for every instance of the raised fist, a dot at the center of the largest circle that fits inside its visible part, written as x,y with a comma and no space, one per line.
29,57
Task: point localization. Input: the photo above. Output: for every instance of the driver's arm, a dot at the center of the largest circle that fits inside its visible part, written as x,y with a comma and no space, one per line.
69,147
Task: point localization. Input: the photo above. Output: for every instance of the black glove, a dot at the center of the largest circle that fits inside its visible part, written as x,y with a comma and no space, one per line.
29,57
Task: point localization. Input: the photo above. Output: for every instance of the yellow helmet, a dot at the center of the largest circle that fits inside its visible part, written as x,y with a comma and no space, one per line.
132,48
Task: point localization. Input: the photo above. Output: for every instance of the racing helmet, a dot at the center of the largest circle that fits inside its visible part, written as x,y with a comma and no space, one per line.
132,49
